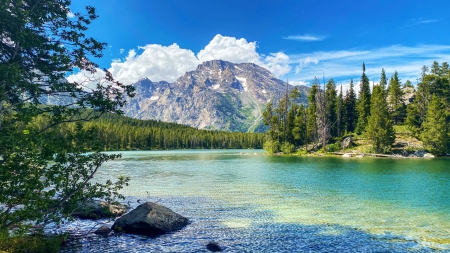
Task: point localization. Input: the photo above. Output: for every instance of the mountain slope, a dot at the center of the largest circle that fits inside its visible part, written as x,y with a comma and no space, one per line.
217,95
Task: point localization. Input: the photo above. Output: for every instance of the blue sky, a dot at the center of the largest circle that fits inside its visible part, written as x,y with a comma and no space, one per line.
296,40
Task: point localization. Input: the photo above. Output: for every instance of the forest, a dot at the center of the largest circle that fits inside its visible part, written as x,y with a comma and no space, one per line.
116,132
371,114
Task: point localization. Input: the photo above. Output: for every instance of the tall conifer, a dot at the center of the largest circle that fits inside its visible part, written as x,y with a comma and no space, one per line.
340,114
331,105
312,117
383,79
379,128
436,128
351,114
363,105
395,99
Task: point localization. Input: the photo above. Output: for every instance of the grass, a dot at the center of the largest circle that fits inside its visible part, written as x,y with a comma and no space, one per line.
30,243
402,129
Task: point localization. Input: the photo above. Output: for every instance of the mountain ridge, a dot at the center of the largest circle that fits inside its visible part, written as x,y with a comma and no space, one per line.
216,95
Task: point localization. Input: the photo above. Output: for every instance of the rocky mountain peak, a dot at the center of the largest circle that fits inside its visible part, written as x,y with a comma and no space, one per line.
216,95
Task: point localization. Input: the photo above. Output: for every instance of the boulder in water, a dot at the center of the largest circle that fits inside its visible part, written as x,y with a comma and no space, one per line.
103,230
100,209
150,219
213,247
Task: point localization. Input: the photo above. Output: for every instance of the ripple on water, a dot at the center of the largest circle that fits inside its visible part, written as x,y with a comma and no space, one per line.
211,221
253,203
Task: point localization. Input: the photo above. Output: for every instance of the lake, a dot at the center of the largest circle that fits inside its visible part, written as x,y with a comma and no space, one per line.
247,201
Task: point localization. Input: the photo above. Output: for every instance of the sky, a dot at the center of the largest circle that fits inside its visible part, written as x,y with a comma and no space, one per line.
295,40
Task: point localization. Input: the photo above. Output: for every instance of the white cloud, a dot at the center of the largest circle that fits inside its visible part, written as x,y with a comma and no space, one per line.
426,21
296,83
277,63
240,51
230,49
70,14
346,64
305,62
305,37
168,63
87,80
155,62
121,50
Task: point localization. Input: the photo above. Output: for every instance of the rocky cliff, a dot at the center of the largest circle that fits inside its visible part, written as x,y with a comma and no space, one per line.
217,95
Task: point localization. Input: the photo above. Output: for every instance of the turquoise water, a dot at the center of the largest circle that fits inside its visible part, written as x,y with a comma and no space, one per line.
250,202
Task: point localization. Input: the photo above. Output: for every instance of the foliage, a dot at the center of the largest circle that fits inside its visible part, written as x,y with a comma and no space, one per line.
272,146
123,133
379,128
334,147
351,114
395,100
340,114
436,128
287,148
383,79
363,103
45,172
31,243
329,117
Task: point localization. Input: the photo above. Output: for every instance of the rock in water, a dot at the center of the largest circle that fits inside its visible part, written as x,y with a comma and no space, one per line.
214,247
150,219
100,209
103,230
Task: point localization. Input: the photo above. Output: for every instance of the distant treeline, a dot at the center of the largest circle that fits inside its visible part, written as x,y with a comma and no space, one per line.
114,132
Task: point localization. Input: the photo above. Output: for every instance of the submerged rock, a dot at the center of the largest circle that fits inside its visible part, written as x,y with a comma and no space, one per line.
103,230
100,209
213,247
150,219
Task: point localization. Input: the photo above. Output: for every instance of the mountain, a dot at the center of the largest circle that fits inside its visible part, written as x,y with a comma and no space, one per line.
217,95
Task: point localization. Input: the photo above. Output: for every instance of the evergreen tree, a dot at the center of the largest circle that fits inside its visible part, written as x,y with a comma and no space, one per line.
379,128
340,114
436,128
299,131
267,119
383,80
331,106
312,116
408,84
363,104
45,173
351,114
323,124
395,99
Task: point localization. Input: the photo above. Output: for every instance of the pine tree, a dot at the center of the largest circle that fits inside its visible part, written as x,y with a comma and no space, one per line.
363,105
340,114
351,114
331,105
436,128
312,117
395,99
379,128
383,80
299,131
45,173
